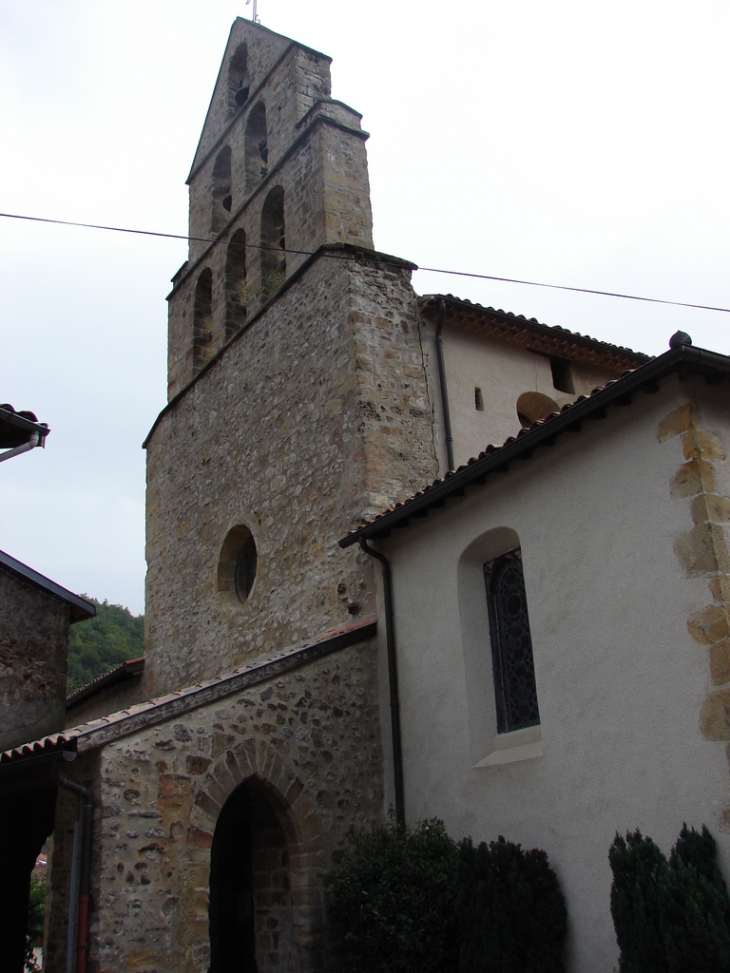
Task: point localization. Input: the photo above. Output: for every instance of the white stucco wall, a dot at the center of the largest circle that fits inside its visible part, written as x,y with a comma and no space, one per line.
502,371
620,682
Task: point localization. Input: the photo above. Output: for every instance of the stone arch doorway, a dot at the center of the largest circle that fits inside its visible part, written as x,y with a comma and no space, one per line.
251,908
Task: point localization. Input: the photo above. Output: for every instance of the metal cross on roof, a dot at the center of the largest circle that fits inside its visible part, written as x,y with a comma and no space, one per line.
255,17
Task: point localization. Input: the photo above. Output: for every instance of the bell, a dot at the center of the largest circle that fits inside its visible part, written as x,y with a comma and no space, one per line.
241,96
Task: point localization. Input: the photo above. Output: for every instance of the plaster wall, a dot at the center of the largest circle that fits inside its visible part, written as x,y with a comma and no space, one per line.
34,629
316,416
502,372
620,682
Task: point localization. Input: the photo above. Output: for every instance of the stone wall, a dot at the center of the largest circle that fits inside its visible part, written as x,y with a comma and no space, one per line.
314,417
33,661
294,78
326,200
309,740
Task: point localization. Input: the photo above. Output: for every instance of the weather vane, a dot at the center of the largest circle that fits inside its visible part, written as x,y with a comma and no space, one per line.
255,17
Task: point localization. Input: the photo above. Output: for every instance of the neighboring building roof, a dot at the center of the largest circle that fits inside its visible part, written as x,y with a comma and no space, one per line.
495,459
96,733
127,670
16,428
530,333
80,608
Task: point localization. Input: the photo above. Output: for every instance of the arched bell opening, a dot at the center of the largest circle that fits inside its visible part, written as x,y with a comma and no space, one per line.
273,243
203,320
256,147
236,283
239,82
221,191
251,910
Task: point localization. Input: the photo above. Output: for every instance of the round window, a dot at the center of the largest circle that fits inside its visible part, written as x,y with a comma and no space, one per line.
237,565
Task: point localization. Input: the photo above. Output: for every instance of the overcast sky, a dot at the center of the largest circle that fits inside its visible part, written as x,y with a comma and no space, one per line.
568,141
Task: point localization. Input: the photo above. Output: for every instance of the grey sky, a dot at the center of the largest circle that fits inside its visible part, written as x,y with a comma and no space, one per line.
570,142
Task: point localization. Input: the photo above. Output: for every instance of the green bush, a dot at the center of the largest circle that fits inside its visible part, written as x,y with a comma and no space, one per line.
36,917
511,910
415,902
670,916
393,901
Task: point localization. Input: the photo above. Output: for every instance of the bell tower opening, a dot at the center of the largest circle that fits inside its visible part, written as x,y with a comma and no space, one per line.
203,320
239,81
236,283
273,242
222,201
256,147
251,928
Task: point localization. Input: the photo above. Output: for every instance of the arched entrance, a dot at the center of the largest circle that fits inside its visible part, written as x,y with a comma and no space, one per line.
251,924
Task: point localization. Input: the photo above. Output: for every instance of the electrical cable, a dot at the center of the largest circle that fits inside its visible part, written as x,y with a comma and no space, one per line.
337,256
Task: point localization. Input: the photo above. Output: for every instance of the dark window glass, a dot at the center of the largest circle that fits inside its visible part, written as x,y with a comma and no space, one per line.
514,670
246,568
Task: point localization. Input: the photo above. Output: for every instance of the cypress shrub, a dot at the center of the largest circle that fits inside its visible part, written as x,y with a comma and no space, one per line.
511,910
696,918
393,901
670,917
639,887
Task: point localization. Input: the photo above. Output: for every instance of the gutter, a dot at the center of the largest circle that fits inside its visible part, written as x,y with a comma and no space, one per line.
683,359
35,440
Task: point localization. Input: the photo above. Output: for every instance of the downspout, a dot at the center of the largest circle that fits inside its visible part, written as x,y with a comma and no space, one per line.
442,385
82,938
35,440
400,812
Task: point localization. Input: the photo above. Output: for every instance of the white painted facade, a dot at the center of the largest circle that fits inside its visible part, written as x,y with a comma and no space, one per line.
620,682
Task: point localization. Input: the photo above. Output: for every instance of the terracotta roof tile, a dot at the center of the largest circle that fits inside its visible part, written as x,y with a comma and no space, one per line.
643,377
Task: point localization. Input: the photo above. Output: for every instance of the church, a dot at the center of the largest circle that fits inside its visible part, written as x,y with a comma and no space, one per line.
402,552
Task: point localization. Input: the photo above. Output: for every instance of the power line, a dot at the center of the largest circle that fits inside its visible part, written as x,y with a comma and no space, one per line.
431,270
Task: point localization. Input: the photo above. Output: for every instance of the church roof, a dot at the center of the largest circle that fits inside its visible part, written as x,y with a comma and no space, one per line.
530,333
496,459
127,670
98,732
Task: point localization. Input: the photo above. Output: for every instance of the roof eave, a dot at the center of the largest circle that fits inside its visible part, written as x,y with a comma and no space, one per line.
643,378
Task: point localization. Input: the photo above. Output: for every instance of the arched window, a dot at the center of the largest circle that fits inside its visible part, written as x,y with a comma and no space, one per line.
236,283
273,242
250,899
239,82
256,147
203,320
532,406
509,626
221,190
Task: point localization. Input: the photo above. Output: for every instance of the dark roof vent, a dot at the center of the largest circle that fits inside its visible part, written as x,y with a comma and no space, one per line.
241,96
679,338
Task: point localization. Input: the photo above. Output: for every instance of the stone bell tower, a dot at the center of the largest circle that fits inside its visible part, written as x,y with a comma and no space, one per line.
298,401
279,171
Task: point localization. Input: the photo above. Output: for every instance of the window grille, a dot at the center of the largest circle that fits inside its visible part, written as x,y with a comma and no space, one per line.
514,669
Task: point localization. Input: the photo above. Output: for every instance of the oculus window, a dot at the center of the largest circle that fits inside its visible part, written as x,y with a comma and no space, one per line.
514,670
237,566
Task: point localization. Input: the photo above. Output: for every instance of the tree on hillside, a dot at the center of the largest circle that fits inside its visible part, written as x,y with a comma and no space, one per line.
102,643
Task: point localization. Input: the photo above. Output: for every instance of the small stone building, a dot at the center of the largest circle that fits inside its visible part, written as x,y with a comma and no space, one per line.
310,390
35,617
